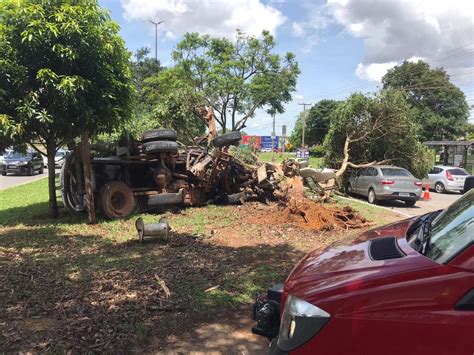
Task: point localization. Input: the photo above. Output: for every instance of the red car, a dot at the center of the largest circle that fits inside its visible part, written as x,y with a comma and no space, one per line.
406,288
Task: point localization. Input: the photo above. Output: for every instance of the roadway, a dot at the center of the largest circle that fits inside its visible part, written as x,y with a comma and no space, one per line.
15,180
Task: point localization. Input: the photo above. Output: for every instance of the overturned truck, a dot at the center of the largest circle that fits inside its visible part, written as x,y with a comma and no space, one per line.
159,172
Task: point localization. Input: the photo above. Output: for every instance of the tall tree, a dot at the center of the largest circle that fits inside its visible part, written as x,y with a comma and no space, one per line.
317,123
64,70
367,130
235,78
440,106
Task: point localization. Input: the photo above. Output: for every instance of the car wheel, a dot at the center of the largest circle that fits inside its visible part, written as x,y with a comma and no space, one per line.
4,173
410,203
161,134
349,189
41,170
371,197
439,187
116,200
226,139
30,171
160,147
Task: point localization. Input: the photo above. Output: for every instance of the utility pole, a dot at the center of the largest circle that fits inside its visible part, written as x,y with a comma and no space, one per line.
304,123
273,137
156,35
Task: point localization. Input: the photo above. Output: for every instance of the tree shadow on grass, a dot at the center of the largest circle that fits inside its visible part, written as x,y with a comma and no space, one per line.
85,293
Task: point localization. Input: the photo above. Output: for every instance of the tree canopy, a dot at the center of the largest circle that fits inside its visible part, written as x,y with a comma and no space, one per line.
440,106
64,69
234,78
317,123
368,129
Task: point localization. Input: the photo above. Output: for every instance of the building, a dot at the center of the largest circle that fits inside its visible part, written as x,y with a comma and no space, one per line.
454,153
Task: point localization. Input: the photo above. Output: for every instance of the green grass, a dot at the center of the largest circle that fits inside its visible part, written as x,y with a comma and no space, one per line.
267,156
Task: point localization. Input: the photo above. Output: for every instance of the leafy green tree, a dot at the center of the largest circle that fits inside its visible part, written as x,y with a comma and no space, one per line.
440,106
235,78
64,70
317,123
367,130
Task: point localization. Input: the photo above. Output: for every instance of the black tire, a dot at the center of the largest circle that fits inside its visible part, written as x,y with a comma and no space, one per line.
349,191
160,134
372,197
439,188
116,200
31,171
41,170
160,147
4,173
226,139
410,203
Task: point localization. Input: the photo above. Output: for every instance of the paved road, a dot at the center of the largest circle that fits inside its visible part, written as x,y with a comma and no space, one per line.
437,201
15,180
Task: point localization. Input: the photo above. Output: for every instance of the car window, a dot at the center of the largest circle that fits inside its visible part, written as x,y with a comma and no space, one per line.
452,230
17,155
433,171
395,172
458,171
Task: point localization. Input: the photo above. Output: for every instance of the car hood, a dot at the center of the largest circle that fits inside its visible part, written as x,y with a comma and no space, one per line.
321,276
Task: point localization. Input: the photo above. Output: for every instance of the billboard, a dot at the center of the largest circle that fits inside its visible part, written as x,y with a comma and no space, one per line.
261,142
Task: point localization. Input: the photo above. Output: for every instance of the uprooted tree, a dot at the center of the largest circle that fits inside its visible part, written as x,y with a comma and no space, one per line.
368,130
64,70
235,79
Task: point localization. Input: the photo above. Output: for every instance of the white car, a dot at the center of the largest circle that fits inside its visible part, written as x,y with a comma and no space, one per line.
447,178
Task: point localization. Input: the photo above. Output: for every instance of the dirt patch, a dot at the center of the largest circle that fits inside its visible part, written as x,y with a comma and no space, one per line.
299,210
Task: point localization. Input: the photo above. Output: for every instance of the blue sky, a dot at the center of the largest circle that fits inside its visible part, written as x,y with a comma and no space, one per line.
341,45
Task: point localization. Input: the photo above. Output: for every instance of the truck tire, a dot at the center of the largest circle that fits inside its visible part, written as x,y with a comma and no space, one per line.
160,134
225,139
160,147
116,200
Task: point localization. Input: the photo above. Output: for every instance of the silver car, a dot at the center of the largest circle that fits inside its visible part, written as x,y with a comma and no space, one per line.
385,182
446,178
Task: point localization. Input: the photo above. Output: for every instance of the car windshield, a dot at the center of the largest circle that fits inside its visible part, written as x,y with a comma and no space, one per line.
395,172
18,155
452,230
458,172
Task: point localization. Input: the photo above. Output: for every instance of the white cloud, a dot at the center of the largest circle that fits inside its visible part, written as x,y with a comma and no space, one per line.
297,30
438,31
373,72
298,97
217,18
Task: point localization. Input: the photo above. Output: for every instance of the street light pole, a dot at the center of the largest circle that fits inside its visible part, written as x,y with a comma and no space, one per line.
155,23
303,123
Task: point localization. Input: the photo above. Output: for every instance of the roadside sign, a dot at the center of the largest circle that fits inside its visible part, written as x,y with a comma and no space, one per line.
288,145
302,153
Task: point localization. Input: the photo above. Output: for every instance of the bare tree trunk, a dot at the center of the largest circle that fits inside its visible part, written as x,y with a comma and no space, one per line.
86,161
53,203
345,160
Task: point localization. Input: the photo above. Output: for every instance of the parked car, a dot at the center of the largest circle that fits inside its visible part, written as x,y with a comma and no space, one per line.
468,184
384,182
2,156
447,178
406,288
59,159
22,163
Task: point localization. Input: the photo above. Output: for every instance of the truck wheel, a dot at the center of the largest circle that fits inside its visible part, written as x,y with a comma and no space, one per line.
160,147
225,139
116,200
161,134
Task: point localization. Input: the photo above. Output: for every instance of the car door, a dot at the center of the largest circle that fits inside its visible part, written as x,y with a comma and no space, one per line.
433,175
362,182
